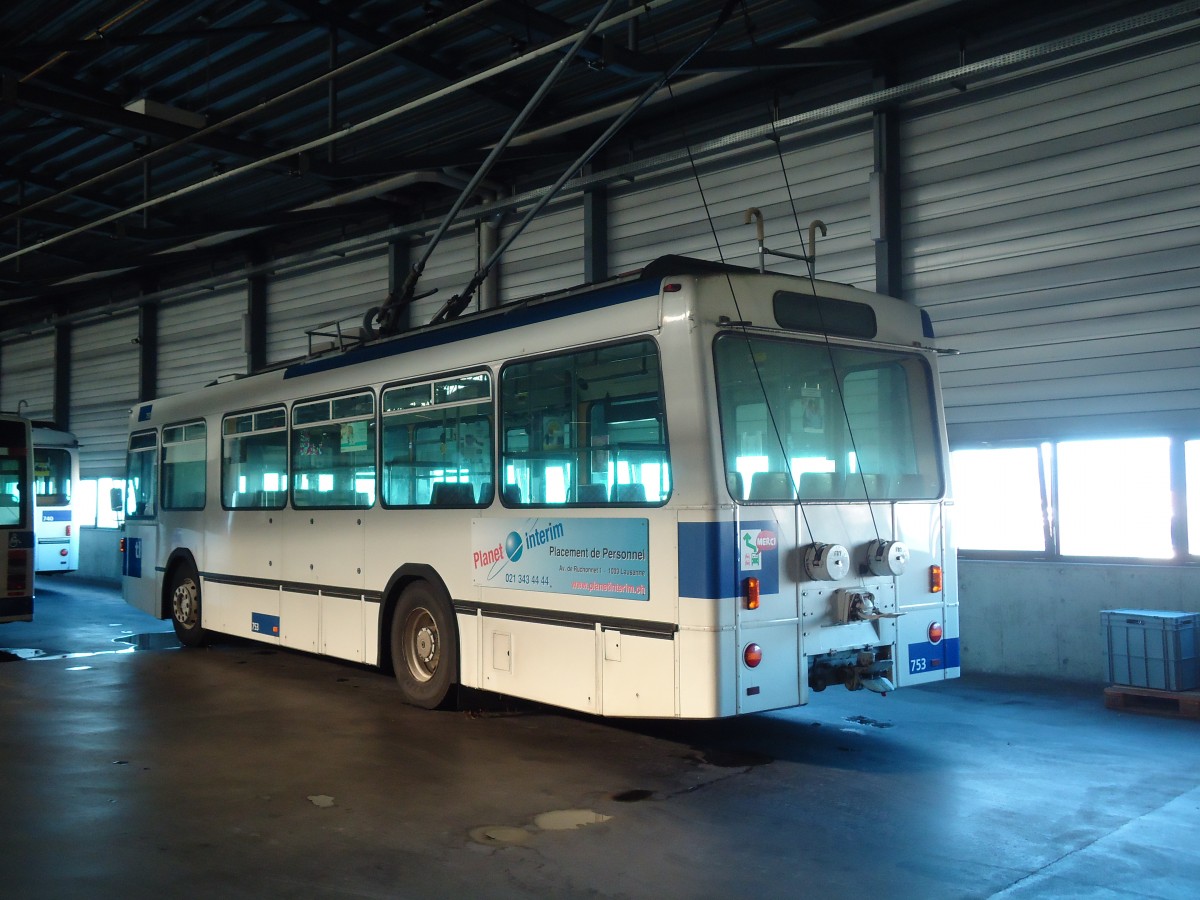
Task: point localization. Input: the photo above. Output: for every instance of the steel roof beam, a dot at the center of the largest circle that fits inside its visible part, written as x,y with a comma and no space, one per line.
428,65
121,39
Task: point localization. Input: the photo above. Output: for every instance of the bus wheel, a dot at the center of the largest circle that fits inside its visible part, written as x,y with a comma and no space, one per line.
185,607
424,647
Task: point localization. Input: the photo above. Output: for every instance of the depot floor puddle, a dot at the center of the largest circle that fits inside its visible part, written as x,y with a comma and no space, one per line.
159,640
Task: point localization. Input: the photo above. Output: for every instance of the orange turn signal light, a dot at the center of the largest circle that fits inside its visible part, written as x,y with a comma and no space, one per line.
935,579
750,589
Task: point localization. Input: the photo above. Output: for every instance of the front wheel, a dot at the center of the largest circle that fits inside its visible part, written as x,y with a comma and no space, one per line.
185,607
424,647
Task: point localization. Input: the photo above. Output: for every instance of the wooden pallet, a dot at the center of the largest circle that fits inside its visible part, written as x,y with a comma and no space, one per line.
1180,704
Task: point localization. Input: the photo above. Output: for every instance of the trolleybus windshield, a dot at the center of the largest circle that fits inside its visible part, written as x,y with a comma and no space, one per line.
807,421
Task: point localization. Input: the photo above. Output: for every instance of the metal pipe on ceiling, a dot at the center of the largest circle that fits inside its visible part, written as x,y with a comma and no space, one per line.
1135,29
857,28
325,77
308,146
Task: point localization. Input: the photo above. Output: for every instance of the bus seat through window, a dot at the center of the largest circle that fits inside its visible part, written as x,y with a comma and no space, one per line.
629,493
591,493
772,486
448,493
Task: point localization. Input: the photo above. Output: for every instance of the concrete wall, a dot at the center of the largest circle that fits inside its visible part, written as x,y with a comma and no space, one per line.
99,553
1043,619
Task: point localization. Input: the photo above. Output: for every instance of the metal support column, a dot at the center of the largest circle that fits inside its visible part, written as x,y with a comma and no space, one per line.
147,352
885,199
399,262
595,230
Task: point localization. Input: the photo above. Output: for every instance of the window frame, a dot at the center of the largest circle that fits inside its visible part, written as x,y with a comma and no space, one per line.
1047,450
285,429
433,380
661,399
162,463
153,450
373,421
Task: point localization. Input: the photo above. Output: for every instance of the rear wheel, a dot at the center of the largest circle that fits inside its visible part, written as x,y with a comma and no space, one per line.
424,647
185,606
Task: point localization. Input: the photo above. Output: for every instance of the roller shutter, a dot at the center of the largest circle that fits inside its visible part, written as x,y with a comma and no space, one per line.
547,256
27,373
449,269
104,386
1051,233
829,180
200,340
311,297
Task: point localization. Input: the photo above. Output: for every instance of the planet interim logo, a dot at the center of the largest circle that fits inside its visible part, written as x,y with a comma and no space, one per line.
510,550
513,545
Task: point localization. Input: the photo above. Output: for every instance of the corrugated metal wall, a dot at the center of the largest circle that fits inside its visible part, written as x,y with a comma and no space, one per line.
27,373
200,340
306,298
547,256
829,180
451,266
1051,233
104,387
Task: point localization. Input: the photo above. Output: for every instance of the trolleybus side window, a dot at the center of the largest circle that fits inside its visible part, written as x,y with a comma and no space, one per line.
183,466
333,452
585,428
141,475
254,460
437,442
803,421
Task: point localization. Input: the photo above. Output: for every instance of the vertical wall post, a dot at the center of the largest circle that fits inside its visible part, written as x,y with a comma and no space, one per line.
399,262
147,352
595,229
885,199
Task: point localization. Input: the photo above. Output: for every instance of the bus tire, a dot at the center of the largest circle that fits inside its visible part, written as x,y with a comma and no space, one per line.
424,647
185,606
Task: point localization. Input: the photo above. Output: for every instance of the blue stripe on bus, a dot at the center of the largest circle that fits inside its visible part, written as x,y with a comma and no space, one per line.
481,326
261,623
942,655
710,560
131,559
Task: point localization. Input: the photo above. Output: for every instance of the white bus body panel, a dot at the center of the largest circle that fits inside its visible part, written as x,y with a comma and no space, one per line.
317,579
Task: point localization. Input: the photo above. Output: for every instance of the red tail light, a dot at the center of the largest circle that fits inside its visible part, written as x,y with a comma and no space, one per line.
935,632
122,545
752,655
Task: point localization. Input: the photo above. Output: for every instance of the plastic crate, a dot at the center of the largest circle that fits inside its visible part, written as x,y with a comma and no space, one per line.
1152,648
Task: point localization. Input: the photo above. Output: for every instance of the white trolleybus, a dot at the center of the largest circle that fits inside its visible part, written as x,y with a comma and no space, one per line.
16,519
55,475
694,491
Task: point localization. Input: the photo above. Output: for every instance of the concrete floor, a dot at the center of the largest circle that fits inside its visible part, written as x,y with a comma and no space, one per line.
134,770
